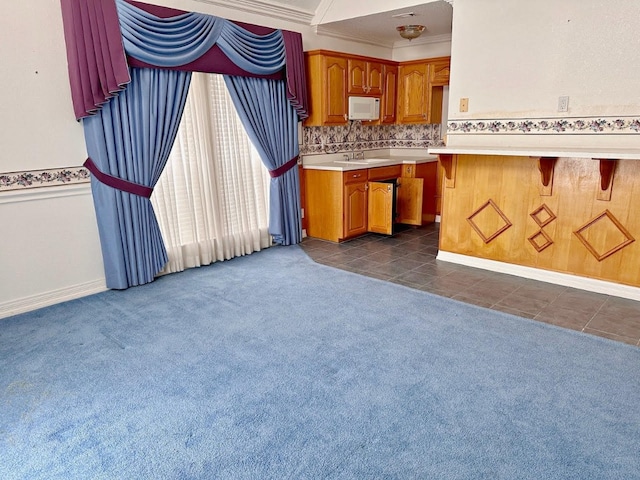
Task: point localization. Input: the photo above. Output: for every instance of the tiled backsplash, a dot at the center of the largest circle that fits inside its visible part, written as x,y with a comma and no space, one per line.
356,136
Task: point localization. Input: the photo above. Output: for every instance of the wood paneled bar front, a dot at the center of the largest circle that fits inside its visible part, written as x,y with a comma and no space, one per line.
544,212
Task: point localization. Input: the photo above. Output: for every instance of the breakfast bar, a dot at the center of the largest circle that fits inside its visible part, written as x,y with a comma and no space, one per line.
569,216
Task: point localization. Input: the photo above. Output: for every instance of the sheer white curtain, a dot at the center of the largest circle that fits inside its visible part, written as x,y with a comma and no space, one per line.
212,199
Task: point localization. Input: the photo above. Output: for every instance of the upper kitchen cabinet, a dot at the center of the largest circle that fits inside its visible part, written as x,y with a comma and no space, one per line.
409,92
334,76
365,77
327,75
439,72
420,90
389,92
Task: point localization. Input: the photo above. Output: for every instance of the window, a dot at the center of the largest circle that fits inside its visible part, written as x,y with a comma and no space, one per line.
212,199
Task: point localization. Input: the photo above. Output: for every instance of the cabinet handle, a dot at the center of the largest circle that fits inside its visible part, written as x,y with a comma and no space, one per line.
346,117
357,175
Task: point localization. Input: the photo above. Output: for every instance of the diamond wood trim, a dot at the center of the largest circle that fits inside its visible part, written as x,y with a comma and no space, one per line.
533,239
543,208
489,203
619,226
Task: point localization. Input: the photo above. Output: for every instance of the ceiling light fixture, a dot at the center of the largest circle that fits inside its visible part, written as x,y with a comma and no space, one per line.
410,31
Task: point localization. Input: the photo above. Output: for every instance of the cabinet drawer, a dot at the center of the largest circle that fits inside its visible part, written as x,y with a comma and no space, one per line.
353,176
385,173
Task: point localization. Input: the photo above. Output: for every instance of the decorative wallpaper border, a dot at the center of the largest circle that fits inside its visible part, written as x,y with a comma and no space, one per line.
555,126
43,178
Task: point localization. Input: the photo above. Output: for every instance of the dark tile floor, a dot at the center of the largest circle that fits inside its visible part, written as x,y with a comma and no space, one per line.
409,258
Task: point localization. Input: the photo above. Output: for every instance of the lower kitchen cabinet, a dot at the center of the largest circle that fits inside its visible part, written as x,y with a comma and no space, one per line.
381,211
418,193
355,203
409,200
342,205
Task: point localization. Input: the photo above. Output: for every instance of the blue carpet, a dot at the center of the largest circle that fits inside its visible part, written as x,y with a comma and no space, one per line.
270,366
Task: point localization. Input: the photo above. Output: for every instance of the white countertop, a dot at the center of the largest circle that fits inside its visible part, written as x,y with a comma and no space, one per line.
596,153
336,163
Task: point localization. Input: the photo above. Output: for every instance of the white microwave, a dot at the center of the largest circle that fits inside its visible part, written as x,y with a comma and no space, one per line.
364,108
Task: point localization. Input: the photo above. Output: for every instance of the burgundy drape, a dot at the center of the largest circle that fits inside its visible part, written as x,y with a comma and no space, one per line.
95,55
98,65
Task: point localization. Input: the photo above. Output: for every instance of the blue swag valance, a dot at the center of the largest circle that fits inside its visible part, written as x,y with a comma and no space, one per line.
97,48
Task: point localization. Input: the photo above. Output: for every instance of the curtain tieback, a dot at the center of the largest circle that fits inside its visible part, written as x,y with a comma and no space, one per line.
117,183
282,169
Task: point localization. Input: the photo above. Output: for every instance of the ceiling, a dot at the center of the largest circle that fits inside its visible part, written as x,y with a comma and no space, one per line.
375,29
380,28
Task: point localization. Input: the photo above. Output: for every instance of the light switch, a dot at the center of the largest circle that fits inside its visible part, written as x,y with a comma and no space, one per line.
464,104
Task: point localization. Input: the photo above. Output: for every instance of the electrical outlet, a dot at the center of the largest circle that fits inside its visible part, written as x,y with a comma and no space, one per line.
563,104
464,104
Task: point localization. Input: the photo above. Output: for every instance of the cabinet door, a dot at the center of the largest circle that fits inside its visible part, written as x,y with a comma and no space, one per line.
409,200
413,100
357,77
439,74
380,208
355,209
335,107
388,103
374,78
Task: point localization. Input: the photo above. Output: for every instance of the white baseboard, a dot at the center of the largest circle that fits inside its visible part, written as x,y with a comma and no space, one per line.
557,278
34,302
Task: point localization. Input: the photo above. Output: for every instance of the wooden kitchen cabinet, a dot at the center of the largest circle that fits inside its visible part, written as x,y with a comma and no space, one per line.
336,203
413,81
409,200
343,205
410,92
333,77
328,101
418,193
439,72
381,211
420,90
355,203
389,93
365,77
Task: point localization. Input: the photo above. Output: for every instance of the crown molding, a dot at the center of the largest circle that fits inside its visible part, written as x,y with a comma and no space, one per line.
282,12
327,32
422,41
400,43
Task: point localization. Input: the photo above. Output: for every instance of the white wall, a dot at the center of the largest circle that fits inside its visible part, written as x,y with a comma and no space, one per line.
49,244
513,58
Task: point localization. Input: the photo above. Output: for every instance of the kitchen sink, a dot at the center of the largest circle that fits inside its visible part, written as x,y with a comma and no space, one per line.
351,162
366,161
